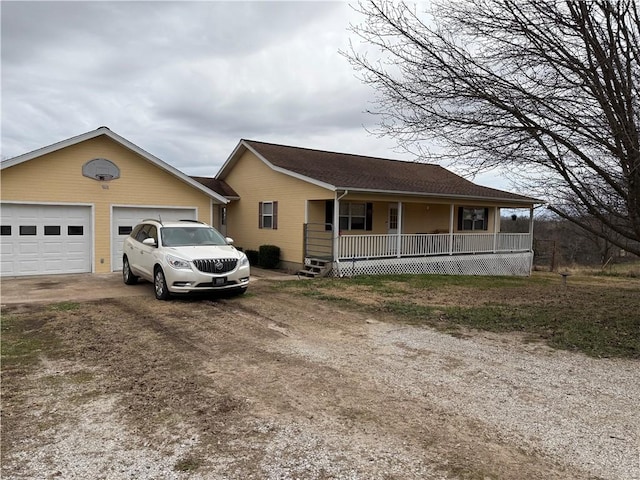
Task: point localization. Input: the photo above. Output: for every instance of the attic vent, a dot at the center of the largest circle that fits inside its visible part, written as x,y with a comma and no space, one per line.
101,169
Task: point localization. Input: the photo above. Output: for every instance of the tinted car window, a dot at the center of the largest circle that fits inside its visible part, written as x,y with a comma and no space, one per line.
152,232
142,233
189,236
136,231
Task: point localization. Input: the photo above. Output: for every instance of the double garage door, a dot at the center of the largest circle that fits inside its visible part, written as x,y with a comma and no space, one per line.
54,239
45,239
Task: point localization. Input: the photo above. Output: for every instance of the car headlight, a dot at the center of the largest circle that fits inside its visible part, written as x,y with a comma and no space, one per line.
178,263
244,260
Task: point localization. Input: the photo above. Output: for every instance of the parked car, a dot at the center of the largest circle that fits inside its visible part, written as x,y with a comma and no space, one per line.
182,257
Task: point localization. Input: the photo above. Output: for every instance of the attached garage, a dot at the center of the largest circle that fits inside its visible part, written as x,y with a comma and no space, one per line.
45,239
66,208
125,218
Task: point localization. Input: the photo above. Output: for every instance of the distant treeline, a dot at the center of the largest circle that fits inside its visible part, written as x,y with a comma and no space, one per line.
558,243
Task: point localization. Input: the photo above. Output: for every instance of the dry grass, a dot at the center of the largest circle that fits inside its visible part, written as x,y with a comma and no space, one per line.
593,314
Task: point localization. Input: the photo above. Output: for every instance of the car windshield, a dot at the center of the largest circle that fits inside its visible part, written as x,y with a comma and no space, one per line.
190,236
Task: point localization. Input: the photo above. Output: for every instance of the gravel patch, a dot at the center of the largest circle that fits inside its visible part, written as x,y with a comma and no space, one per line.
578,410
279,387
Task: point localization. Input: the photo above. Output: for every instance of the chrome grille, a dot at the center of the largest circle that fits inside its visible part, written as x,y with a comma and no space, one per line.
216,265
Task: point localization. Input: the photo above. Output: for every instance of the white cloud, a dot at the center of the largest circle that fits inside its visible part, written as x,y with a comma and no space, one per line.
176,73
184,80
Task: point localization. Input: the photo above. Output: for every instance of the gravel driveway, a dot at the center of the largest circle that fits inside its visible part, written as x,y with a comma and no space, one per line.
273,386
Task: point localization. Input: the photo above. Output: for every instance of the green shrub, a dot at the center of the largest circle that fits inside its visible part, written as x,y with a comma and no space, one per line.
269,256
253,256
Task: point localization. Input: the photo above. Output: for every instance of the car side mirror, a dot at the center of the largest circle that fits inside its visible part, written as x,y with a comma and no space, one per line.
229,240
150,241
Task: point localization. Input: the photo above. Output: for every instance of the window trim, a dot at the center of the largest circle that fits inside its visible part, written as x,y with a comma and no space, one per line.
52,230
273,215
26,230
485,220
368,216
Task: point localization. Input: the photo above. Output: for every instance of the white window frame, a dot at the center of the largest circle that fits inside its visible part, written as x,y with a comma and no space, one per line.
350,216
270,215
477,214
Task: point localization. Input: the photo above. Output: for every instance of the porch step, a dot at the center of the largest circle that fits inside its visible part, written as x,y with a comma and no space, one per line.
315,268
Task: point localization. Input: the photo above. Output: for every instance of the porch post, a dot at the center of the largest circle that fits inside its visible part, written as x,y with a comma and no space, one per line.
336,226
496,225
399,232
451,217
531,229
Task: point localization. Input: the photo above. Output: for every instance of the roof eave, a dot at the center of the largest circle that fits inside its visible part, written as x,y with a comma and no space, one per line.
245,146
122,141
25,157
230,161
526,201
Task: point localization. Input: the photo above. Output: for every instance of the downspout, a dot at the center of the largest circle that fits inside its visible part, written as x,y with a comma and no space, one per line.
306,211
336,226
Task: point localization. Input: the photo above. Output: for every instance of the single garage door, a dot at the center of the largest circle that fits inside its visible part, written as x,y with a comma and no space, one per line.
125,218
45,239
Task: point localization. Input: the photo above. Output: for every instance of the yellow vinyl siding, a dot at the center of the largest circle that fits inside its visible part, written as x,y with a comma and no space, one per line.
255,182
316,211
415,218
57,178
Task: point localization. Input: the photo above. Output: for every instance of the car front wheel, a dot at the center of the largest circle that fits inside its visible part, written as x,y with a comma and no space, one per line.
128,277
160,285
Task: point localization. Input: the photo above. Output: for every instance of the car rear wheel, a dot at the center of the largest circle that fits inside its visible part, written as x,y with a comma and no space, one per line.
128,277
160,285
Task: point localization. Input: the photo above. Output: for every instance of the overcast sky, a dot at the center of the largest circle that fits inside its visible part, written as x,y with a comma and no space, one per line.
186,81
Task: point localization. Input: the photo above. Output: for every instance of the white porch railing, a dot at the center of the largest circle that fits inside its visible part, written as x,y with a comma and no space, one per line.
413,245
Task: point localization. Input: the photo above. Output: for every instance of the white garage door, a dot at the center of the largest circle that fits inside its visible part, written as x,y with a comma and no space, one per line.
125,218
45,239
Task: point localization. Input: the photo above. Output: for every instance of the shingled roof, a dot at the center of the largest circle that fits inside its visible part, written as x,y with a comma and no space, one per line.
218,186
342,171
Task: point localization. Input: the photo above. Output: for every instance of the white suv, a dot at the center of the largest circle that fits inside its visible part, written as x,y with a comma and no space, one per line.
181,257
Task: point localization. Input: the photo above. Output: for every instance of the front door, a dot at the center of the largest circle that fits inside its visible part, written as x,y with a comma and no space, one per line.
392,221
392,229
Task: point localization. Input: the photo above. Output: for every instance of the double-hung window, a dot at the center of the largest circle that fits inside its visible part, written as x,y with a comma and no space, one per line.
473,218
353,216
268,215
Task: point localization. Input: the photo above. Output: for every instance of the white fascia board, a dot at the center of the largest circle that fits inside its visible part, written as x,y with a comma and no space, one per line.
304,178
231,160
52,148
165,166
438,195
284,171
122,141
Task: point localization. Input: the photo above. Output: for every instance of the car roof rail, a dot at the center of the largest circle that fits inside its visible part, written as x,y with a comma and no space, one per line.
159,220
191,220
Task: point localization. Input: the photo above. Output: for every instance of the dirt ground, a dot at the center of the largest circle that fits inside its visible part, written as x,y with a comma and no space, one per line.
274,386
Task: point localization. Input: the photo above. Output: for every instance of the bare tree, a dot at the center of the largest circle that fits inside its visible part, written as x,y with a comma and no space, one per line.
548,90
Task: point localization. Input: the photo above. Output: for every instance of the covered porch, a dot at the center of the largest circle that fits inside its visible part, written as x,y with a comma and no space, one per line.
416,236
